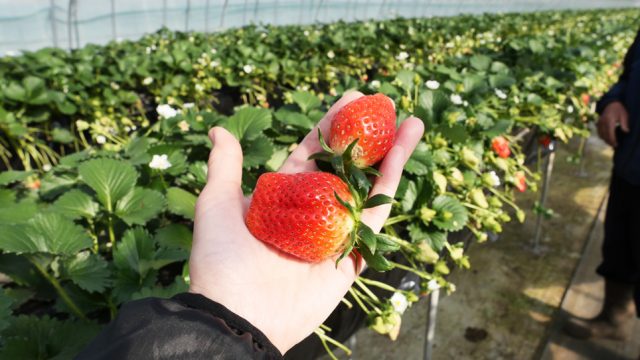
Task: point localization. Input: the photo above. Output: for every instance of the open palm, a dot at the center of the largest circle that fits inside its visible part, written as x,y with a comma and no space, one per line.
283,297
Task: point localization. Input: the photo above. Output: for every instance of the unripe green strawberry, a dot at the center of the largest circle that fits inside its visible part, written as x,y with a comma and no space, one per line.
299,214
370,119
478,198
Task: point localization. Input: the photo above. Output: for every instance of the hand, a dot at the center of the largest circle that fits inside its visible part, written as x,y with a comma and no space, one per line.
285,298
613,115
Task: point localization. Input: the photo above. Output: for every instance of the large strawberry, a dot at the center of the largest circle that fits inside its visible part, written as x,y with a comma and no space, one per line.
369,119
300,214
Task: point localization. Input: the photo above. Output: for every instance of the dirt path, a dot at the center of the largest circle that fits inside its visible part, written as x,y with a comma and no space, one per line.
504,306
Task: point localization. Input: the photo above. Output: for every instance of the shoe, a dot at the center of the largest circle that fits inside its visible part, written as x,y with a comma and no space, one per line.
615,319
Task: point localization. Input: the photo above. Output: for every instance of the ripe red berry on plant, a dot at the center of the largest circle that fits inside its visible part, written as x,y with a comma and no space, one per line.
544,140
501,146
520,181
585,99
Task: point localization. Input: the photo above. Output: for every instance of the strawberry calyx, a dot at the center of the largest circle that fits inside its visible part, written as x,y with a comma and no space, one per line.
362,239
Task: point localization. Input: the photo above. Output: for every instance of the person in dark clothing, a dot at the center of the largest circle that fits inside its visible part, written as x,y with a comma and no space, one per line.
246,300
619,126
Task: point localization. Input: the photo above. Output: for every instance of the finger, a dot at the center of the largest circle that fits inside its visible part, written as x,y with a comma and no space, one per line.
408,137
225,162
624,120
298,160
611,133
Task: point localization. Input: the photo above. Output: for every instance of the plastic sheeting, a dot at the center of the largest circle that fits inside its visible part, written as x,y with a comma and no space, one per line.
33,24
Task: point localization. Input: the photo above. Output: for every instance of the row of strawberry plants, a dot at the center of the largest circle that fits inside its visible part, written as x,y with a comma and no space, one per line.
53,102
112,222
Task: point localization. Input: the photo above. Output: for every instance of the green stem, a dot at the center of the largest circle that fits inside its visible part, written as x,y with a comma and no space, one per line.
398,219
112,308
63,294
422,274
369,301
366,289
112,236
379,284
359,301
326,338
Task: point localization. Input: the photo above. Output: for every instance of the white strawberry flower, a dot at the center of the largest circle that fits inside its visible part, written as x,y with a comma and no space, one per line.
166,111
399,302
183,125
570,109
456,99
214,64
188,105
199,87
147,81
101,139
432,84
495,179
306,33
160,162
375,84
501,94
433,285
46,167
403,55
247,69
213,51
331,54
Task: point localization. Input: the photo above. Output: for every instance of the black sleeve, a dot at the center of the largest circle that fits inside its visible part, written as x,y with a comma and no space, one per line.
617,91
187,326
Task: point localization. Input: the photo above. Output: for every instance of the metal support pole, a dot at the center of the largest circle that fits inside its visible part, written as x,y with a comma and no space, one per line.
186,15
206,15
381,11
224,10
301,12
548,168
432,312
317,17
164,13
75,22
244,12
276,5
69,29
255,11
113,19
52,18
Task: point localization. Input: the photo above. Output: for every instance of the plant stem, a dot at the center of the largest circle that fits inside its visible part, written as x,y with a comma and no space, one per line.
422,274
112,236
366,289
397,219
338,344
379,284
359,301
63,294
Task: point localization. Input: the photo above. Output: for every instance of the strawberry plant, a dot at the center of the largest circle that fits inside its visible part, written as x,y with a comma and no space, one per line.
104,149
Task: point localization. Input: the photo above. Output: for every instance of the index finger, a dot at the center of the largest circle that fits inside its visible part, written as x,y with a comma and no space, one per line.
298,160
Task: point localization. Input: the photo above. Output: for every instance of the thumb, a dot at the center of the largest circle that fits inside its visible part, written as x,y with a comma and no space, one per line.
225,163
624,121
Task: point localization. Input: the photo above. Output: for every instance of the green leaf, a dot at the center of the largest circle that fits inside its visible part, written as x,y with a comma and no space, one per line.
306,101
75,204
5,310
10,176
420,162
46,233
452,215
135,251
139,206
257,152
181,202
418,233
501,81
88,271
31,337
17,213
375,261
178,286
366,235
377,200
248,123
63,136
175,236
292,118
480,62
15,92
277,159
110,179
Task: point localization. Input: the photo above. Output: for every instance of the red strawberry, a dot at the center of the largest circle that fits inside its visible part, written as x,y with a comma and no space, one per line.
520,181
544,140
370,119
501,146
300,215
585,99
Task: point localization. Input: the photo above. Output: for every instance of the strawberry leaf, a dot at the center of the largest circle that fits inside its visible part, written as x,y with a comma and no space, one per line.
323,143
375,261
371,171
181,202
110,179
386,244
88,271
377,200
76,204
451,214
140,206
366,235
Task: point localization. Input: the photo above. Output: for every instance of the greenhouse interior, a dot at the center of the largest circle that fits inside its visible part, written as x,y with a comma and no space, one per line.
196,179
